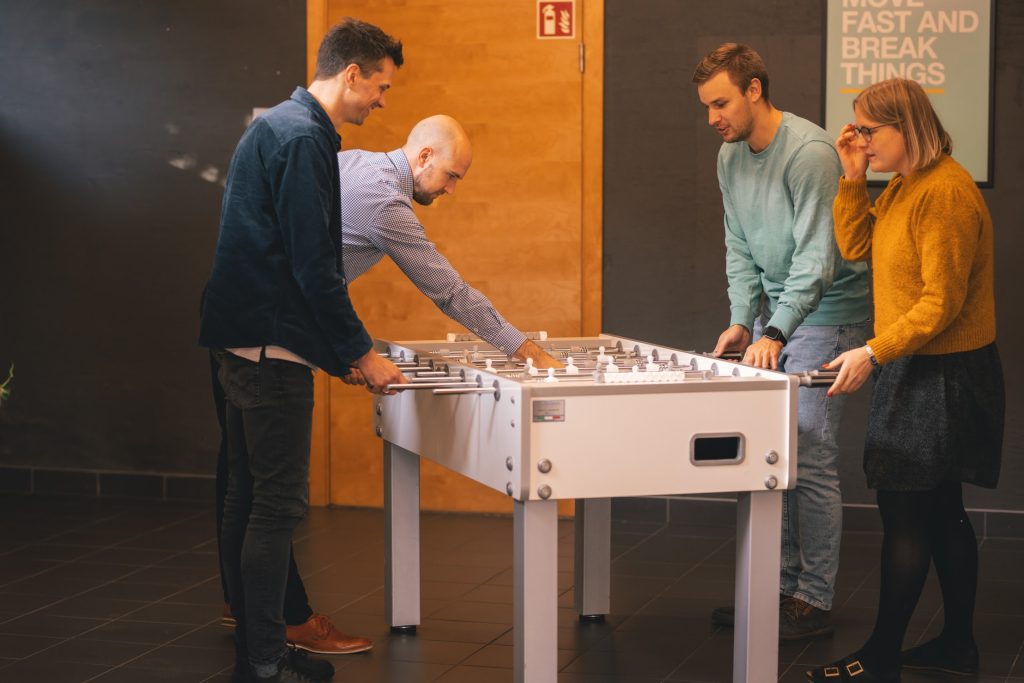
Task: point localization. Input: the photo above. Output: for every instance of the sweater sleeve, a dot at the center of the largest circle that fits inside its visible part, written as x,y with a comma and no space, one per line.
854,219
811,178
946,227
743,275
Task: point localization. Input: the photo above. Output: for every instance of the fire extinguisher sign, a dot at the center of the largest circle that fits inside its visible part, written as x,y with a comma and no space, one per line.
556,19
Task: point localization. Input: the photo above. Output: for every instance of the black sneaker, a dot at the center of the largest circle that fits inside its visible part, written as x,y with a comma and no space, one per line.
295,667
936,655
726,616
799,620
312,667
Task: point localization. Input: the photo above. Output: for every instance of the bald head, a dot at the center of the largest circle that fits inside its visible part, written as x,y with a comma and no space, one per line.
438,132
439,154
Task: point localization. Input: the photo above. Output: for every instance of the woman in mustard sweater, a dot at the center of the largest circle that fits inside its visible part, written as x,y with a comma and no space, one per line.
938,402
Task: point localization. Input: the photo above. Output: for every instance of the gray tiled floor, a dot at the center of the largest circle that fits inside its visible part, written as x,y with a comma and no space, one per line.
112,591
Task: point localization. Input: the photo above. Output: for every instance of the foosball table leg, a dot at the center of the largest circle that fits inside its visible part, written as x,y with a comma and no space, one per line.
535,591
402,537
756,632
592,591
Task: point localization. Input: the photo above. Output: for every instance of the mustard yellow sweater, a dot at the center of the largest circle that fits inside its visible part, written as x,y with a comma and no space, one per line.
929,239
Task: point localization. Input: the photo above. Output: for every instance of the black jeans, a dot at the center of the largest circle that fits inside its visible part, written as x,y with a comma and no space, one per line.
268,420
297,610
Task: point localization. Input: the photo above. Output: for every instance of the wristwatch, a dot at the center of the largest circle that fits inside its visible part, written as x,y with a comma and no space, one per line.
871,355
774,333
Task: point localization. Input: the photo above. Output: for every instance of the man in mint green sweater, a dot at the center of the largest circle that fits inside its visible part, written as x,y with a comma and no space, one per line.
792,294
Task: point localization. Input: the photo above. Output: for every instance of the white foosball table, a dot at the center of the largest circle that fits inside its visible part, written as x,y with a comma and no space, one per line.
624,418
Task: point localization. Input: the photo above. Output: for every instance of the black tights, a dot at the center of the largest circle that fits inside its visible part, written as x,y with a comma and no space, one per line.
922,527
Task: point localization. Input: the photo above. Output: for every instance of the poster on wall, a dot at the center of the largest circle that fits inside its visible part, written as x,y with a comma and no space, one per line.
945,45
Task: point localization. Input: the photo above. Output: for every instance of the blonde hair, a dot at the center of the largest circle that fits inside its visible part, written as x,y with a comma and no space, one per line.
904,104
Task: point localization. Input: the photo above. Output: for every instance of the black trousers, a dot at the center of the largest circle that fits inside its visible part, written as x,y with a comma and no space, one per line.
268,411
297,609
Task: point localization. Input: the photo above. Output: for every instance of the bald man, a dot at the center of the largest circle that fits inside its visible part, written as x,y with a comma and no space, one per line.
377,192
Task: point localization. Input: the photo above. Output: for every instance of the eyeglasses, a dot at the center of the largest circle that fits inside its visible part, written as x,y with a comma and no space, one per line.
866,132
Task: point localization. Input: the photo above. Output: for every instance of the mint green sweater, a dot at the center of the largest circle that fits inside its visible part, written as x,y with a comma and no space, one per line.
779,232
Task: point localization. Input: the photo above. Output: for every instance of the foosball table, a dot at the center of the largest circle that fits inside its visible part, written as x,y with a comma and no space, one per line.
623,418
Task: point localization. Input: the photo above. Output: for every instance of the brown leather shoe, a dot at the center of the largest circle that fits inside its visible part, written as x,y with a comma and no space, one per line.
799,620
321,636
226,618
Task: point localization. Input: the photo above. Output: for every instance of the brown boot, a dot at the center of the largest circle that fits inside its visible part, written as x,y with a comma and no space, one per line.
799,620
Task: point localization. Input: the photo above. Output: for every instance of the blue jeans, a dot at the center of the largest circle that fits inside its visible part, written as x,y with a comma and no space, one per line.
812,513
268,421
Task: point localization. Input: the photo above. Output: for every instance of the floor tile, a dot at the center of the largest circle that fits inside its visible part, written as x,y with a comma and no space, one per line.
212,635
630,663
135,557
13,568
90,651
140,675
207,660
208,592
37,670
466,610
50,551
22,603
382,669
41,584
95,607
17,646
476,674
501,657
177,612
50,625
427,651
131,631
461,631
128,591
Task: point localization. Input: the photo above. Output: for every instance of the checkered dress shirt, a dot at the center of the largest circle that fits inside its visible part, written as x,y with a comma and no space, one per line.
378,220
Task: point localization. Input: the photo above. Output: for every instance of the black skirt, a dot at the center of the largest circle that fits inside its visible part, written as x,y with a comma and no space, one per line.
934,419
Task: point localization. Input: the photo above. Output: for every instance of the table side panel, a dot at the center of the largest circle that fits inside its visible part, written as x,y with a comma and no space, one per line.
607,448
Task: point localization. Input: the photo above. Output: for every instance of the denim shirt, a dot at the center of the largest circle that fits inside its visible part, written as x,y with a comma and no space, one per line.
277,277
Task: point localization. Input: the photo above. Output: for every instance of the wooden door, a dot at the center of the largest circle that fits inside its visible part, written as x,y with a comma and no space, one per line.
520,227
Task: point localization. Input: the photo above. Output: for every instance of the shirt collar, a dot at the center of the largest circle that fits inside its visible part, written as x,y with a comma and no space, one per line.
303,97
405,183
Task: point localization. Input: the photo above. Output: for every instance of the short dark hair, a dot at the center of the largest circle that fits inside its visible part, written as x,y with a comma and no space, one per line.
352,41
741,62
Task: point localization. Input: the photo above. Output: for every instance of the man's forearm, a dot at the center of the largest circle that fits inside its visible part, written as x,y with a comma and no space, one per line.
541,359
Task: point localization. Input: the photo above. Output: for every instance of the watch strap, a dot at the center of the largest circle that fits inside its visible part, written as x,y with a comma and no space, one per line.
871,355
774,333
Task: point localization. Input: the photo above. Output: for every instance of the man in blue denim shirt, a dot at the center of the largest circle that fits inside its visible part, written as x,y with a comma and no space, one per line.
275,307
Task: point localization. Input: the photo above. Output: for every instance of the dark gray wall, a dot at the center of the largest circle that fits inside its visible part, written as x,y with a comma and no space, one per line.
105,243
117,122
664,256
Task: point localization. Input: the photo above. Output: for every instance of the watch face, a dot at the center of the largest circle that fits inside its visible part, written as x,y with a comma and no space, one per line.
773,333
